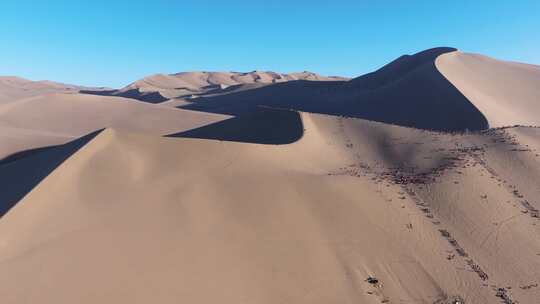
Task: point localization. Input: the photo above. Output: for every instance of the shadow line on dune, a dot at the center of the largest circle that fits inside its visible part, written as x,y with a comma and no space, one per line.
22,171
24,154
149,97
262,126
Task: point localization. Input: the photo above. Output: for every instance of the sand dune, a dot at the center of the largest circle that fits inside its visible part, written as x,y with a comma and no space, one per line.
507,93
307,222
58,118
409,91
398,68
22,171
438,89
14,88
161,87
108,199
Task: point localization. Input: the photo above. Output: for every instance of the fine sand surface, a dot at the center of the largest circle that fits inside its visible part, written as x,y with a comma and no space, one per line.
53,119
133,218
507,93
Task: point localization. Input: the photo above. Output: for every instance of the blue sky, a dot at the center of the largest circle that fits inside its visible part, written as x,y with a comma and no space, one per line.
111,43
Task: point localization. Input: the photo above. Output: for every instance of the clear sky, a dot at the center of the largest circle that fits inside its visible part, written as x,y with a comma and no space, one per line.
112,43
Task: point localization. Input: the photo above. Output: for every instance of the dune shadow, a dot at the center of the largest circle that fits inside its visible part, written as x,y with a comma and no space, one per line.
149,97
21,172
424,99
398,68
24,154
261,126
409,92
300,95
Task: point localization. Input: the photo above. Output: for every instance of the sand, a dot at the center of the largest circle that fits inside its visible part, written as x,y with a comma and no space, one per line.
438,89
14,88
505,92
250,200
409,91
159,88
57,118
137,218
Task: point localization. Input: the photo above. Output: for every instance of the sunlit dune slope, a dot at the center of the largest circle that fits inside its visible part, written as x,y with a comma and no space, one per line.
507,93
138,218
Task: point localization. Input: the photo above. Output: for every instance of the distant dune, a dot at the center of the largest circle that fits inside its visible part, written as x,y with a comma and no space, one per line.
14,88
161,87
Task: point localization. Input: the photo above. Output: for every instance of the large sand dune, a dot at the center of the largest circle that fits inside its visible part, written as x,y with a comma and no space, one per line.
439,89
409,91
135,218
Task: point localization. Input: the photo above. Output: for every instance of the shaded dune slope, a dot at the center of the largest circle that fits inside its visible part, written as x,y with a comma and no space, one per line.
398,68
417,96
35,164
263,126
409,91
191,220
150,97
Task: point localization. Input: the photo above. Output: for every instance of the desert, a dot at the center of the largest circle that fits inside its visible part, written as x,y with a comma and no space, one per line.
321,193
